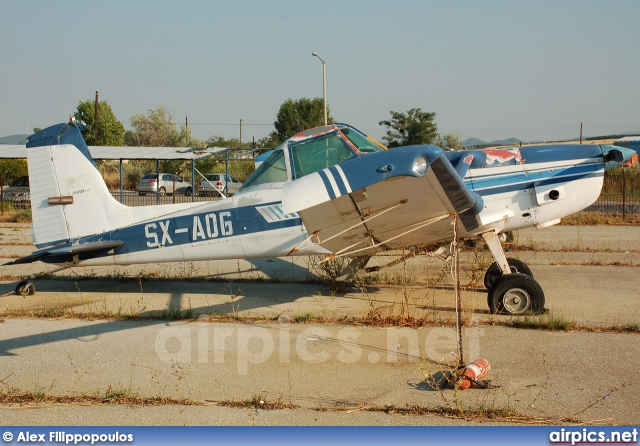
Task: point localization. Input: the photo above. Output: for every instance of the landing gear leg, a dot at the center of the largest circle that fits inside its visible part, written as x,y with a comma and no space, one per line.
511,286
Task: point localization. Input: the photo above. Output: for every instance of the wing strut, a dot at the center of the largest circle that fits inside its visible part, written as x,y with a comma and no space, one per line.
342,253
384,211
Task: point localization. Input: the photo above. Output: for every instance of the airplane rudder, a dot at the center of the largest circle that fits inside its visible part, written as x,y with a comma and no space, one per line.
60,165
60,134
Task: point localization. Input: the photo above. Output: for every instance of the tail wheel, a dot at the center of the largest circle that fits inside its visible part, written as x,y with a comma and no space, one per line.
516,294
494,273
25,289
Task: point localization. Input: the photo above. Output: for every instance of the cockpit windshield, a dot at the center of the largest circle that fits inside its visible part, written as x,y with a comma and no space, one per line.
312,150
315,154
272,170
362,142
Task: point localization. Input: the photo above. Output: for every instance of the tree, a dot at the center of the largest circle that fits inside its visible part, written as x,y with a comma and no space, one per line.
270,141
296,116
11,170
414,127
233,143
187,140
155,130
110,130
449,141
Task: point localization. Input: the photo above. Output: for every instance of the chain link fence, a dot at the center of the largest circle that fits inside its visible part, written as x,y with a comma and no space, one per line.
620,194
133,198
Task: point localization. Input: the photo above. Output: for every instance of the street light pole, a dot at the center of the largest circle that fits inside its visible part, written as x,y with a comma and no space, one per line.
324,84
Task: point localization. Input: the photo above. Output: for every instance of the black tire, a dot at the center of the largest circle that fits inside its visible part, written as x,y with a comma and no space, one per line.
494,273
187,192
516,294
23,290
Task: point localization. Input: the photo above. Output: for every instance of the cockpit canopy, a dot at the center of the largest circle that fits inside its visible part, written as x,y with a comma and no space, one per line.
310,151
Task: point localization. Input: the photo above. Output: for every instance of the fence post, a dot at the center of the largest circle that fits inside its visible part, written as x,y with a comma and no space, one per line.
121,184
624,195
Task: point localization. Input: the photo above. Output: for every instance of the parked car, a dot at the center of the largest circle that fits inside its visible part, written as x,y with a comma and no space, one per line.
148,184
206,188
18,193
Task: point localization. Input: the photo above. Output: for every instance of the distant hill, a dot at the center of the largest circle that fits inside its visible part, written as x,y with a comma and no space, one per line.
473,142
506,142
13,139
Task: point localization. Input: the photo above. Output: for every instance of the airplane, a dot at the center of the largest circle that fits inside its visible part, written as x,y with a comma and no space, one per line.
328,190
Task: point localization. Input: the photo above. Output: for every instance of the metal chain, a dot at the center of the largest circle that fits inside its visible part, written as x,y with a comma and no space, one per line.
456,274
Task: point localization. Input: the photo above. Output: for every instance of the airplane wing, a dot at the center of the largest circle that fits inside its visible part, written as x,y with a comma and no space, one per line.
386,200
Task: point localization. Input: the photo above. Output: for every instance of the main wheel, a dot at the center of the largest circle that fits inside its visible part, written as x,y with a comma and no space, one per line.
494,273
516,294
23,290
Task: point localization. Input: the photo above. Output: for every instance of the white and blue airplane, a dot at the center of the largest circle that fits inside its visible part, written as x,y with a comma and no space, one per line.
328,190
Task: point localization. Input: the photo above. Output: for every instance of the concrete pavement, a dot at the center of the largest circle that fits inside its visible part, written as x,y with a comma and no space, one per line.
581,376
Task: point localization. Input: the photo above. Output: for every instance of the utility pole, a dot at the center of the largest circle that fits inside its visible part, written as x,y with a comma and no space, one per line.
186,126
95,122
240,131
580,133
324,83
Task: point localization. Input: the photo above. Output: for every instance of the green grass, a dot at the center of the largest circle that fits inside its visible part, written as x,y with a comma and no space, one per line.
176,313
306,317
547,321
111,396
627,328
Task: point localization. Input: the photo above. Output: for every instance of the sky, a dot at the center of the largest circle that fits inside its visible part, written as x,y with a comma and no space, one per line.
533,70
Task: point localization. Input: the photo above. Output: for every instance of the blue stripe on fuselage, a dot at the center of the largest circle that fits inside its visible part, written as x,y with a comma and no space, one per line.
327,184
338,179
193,228
497,184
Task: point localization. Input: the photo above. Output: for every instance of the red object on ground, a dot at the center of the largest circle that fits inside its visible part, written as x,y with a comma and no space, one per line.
477,370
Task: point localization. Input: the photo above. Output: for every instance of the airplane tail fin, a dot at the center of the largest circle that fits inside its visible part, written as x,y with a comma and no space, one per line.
69,198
